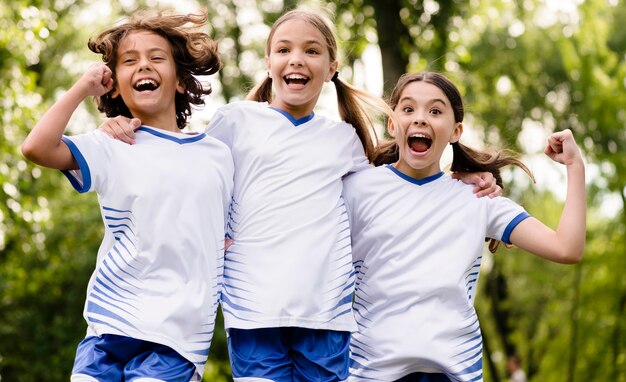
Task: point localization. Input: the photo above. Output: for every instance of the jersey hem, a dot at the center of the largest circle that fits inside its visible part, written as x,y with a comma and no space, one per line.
291,322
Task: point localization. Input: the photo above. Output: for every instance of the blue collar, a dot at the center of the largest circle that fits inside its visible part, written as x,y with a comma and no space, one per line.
419,182
160,134
296,122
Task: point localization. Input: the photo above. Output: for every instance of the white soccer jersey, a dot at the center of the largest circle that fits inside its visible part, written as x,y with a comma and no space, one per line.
291,261
160,265
417,247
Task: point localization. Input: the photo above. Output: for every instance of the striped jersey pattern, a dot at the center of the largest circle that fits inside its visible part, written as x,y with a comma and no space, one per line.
159,268
417,246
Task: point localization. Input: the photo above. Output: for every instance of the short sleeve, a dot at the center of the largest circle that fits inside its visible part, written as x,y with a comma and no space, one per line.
92,153
503,216
359,160
219,128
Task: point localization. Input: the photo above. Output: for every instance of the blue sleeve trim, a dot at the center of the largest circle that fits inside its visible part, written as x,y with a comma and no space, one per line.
82,165
506,236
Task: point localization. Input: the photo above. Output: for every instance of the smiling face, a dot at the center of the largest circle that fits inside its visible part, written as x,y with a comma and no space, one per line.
299,63
146,79
427,125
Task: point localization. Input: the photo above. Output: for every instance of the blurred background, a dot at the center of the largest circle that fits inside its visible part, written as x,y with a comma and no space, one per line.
525,67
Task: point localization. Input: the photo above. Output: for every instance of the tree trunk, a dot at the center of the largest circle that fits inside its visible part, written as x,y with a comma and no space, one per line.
391,35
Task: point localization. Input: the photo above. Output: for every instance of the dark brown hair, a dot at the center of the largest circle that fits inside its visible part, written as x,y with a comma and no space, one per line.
464,159
195,54
353,103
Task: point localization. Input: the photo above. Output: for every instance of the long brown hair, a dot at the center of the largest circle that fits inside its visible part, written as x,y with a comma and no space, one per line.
464,159
195,54
353,103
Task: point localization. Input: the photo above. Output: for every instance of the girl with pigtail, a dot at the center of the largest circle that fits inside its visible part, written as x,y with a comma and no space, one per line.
418,237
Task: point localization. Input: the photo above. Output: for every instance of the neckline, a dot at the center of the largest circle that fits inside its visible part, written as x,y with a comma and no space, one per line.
419,182
294,121
180,138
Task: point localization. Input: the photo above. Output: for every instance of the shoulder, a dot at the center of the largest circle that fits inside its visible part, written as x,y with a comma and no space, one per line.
325,121
361,179
95,137
240,106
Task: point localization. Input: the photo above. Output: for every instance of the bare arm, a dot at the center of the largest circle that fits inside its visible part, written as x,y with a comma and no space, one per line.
43,144
567,244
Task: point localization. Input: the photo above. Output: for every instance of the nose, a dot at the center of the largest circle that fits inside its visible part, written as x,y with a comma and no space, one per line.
295,59
144,64
419,121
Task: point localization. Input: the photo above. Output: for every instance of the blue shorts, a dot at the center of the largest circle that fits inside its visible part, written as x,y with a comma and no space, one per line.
119,358
424,377
289,354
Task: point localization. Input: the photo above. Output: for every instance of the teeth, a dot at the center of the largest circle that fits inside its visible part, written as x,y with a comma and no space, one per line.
419,136
146,82
295,77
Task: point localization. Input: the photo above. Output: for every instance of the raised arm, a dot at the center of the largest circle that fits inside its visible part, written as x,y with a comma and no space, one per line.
43,144
567,244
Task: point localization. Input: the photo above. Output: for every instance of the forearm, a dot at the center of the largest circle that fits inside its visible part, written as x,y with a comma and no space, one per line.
43,144
571,231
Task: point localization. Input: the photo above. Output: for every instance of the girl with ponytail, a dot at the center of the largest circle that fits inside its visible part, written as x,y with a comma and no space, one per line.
418,238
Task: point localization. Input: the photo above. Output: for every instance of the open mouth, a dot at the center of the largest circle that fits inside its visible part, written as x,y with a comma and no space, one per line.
296,79
419,142
146,85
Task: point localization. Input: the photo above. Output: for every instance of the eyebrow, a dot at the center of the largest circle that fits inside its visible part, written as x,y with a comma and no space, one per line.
309,42
434,100
151,50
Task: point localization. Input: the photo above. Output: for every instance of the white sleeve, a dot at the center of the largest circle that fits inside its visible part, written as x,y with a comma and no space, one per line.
503,216
350,192
220,129
92,152
359,160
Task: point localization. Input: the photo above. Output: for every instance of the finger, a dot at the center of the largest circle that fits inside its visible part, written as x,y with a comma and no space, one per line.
107,77
493,189
227,243
135,123
125,128
474,178
120,132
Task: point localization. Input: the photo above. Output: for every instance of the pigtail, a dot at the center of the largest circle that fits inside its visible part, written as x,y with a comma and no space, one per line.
261,92
466,159
386,153
352,109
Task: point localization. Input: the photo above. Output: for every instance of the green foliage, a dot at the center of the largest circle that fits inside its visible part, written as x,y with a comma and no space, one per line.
518,63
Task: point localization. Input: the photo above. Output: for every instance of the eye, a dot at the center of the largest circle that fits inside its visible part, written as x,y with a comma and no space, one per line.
312,51
282,50
407,109
158,58
128,60
435,111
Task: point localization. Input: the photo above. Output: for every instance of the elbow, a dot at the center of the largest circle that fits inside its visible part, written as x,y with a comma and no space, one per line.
28,151
573,256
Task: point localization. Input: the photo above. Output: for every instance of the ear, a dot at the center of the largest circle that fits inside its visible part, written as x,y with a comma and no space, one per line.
268,64
456,134
180,88
115,93
331,71
391,127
